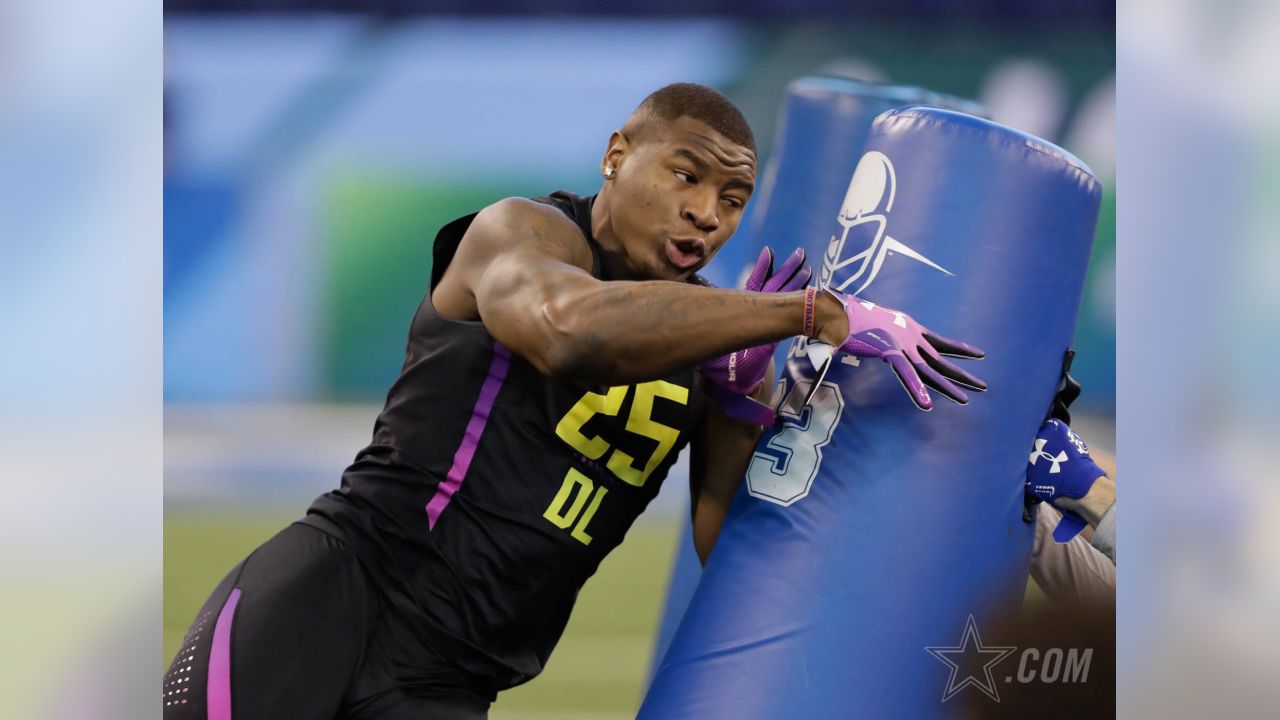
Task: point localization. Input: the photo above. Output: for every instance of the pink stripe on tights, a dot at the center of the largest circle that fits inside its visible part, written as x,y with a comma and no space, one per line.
219,687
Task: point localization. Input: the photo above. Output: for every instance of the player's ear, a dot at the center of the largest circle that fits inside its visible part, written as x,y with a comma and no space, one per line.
614,154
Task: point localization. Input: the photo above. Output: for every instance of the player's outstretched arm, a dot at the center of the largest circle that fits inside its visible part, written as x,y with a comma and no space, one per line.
523,268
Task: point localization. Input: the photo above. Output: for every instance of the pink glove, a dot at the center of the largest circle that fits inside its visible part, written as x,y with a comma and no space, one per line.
911,350
740,372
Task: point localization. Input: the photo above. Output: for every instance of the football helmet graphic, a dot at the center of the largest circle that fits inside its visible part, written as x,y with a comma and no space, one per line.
853,260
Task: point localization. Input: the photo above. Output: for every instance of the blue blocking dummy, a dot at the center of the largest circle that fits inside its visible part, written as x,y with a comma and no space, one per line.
865,530
821,130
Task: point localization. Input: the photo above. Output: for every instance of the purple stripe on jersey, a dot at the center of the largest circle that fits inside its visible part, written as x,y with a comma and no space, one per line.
471,438
219,678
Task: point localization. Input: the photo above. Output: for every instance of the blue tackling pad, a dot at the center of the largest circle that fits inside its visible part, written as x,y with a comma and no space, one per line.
865,529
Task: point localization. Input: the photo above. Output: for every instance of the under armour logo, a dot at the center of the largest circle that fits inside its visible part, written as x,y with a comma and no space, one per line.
899,317
866,206
1039,452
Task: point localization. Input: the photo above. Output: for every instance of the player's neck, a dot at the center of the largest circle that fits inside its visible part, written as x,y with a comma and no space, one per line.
612,251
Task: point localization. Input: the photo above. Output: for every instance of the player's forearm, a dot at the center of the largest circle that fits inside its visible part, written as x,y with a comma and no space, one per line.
707,521
718,462
621,332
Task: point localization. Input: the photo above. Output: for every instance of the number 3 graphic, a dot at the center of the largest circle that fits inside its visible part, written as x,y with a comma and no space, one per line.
783,468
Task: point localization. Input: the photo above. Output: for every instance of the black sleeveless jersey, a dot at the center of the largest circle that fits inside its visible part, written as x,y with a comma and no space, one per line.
490,493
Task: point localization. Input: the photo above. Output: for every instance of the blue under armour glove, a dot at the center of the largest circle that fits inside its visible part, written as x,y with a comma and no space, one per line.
1060,467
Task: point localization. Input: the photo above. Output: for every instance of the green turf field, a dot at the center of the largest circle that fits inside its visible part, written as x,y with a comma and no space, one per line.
597,671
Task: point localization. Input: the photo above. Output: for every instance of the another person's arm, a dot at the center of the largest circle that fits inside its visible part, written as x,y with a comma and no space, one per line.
1098,508
1070,571
1061,471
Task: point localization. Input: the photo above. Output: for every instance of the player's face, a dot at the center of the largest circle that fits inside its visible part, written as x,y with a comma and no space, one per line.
678,197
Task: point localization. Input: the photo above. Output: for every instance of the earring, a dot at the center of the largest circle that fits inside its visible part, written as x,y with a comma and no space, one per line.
608,172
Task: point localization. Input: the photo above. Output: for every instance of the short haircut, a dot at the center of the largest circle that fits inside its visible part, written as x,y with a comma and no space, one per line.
701,103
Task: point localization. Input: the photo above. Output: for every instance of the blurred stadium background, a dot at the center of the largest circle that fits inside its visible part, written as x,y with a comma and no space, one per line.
313,149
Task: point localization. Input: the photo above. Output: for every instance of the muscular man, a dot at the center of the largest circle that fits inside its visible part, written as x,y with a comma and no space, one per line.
561,359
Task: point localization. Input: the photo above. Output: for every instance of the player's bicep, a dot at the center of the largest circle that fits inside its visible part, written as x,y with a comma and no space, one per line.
523,257
515,299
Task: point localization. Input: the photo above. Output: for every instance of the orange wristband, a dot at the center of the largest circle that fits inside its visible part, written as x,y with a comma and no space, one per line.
810,299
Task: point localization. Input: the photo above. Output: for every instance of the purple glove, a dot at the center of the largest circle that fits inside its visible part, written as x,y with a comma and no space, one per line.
1060,467
736,375
911,350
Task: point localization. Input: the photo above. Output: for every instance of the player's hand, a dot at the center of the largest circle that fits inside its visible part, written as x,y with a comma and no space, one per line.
741,372
914,353
1060,467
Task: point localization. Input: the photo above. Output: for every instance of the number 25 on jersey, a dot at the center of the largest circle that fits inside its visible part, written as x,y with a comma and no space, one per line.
586,497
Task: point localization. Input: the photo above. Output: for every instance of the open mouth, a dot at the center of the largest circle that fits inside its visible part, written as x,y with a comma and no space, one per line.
685,253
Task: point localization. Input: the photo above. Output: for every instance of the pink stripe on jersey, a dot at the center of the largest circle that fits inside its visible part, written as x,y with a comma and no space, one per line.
219,679
471,437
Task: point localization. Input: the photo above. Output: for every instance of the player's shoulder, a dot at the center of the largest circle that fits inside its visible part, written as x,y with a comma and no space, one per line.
511,210
518,223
